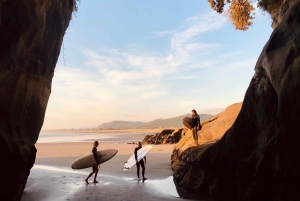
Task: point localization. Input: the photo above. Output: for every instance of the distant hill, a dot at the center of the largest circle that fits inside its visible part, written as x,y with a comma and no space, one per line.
175,122
116,125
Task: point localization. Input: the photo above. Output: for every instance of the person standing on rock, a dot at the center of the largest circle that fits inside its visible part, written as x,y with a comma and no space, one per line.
195,125
139,163
95,167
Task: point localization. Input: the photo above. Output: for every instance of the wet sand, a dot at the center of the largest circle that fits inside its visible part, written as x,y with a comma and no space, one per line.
53,179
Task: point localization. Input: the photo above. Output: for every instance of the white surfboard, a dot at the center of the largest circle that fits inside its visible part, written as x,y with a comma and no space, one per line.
89,160
141,153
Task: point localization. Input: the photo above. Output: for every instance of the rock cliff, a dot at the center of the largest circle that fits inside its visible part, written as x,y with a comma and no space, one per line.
211,131
258,158
31,34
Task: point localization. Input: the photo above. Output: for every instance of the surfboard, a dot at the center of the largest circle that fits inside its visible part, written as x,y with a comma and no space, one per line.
187,122
89,160
141,153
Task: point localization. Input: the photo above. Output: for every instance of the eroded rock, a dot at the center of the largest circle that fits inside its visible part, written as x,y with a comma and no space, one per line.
258,158
31,34
166,136
212,130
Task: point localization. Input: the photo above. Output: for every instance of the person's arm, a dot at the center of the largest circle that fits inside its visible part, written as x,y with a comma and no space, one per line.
145,159
95,155
135,154
199,127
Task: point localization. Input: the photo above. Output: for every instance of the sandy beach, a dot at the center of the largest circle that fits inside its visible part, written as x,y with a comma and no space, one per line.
52,178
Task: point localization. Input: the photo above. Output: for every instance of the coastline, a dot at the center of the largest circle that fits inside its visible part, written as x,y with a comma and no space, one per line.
52,178
154,130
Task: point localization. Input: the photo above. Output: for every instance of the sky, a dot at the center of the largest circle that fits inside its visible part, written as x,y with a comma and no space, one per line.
142,60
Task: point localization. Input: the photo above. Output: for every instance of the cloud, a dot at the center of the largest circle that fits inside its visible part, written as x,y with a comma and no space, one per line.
248,63
208,22
163,33
182,77
229,55
194,18
212,111
118,82
132,68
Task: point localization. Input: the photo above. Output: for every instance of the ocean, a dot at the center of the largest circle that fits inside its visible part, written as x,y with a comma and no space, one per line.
90,137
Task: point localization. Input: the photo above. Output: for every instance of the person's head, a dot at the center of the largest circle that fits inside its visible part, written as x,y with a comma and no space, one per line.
139,144
194,113
96,143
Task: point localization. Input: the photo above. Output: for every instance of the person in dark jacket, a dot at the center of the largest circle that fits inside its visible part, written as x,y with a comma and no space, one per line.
139,163
196,125
95,167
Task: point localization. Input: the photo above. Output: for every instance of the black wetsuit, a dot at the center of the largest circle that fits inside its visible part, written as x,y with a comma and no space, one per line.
94,150
196,123
140,163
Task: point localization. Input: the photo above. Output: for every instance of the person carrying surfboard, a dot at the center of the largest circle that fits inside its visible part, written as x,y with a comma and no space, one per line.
139,163
196,125
95,167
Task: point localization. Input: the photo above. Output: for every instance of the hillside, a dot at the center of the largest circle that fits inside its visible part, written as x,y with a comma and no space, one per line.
116,125
175,122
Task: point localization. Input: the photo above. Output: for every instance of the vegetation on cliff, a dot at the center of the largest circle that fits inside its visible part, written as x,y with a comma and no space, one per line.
241,12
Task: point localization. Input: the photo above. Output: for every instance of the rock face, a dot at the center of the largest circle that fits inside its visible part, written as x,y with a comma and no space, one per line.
167,136
211,131
258,158
31,34
277,16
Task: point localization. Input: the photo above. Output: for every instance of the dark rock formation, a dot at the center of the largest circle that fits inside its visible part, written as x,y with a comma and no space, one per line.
277,16
167,136
31,34
174,137
258,158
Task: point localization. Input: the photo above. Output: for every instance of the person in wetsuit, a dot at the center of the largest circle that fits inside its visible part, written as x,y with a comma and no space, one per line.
139,163
95,167
196,125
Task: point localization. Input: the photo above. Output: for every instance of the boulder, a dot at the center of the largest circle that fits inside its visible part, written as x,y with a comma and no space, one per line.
173,138
149,139
166,136
166,132
31,34
258,158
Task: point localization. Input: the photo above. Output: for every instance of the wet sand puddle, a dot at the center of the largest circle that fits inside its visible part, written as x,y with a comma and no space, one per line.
168,187
165,186
58,169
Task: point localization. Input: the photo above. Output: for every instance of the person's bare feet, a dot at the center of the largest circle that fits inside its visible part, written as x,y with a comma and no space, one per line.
86,181
139,179
96,182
